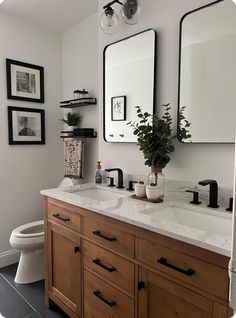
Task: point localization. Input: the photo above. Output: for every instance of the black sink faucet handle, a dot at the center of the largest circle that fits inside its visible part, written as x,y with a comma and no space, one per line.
131,183
195,197
111,184
230,208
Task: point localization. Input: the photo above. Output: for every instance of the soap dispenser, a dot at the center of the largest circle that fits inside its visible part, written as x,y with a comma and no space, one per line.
98,173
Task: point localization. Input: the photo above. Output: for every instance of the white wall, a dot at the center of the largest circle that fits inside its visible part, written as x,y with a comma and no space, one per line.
190,162
80,70
25,170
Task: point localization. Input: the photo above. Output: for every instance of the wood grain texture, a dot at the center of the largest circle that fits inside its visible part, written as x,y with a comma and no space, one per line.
64,267
124,241
123,275
92,311
73,218
205,274
163,299
220,311
124,305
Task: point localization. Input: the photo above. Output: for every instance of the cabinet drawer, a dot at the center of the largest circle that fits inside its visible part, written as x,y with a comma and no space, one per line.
109,236
202,275
63,216
110,266
114,302
92,311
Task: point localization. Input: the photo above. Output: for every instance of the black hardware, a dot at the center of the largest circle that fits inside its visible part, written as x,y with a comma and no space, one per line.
141,285
120,176
111,184
111,135
213,196
98,262
122,135
110,239
98,294
230,208
108,6
57,216
77,249
163,261
131,188
195,197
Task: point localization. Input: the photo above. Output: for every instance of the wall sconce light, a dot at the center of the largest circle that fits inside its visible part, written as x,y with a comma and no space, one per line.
110,20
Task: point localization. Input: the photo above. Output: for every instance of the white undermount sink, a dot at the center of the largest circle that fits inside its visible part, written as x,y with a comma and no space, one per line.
98,194
197,218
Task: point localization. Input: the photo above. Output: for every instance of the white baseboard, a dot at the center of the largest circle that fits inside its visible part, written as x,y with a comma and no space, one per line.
9,257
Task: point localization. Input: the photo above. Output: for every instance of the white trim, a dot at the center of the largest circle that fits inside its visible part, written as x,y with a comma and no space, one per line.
9,257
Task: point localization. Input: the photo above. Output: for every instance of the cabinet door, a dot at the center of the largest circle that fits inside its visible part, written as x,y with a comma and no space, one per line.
64,267
159,298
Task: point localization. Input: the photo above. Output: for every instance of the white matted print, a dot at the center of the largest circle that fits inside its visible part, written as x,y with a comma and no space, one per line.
25,81
26,126
118,108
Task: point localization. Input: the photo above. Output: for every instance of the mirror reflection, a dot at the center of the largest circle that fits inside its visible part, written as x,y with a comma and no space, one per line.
129,80
208,72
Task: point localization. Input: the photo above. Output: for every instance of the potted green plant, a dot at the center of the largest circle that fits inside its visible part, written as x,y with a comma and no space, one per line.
72,119
155,138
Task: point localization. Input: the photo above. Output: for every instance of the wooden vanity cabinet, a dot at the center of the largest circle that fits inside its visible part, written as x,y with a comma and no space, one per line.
98,267
63,267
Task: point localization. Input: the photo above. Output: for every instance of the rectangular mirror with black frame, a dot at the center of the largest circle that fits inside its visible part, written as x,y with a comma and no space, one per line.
129,81
207,73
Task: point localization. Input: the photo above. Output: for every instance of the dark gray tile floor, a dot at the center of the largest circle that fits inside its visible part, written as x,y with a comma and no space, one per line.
23,301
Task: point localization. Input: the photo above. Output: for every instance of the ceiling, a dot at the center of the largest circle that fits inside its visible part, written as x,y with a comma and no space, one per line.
56,15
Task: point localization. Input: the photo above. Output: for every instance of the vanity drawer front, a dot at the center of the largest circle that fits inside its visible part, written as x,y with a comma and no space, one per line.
92,311
64,217
110,266
114,302
109,236
202,275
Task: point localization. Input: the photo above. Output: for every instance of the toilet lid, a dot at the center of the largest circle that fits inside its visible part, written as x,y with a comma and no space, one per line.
33,229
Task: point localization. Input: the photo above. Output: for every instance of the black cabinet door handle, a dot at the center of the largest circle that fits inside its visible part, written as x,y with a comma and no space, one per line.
99,295
64,219
110,239
77,249
99,263
188,272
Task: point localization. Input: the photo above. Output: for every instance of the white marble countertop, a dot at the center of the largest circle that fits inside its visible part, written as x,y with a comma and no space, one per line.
198,225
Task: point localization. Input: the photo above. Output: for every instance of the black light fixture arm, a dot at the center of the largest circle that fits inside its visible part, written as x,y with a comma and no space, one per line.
108,6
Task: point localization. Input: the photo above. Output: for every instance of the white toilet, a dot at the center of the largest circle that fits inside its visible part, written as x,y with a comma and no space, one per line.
29,238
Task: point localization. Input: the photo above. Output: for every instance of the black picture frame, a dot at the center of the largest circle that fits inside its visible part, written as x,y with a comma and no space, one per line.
118,115
32,84
34,134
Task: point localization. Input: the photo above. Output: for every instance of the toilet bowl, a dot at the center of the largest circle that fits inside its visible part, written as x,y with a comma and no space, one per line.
29,239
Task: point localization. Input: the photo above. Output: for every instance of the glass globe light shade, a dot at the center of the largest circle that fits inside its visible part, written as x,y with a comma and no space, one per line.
109,22
131,11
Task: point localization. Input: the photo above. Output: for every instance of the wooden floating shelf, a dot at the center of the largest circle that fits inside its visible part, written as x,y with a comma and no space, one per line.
77,103
78,137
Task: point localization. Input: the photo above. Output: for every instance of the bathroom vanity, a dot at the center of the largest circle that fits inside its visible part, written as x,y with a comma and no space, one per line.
110,259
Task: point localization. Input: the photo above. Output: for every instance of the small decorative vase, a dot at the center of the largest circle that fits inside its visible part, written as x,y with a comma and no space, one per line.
157,178
71,130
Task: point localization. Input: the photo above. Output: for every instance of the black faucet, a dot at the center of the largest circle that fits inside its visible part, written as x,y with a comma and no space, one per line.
213,196
120,177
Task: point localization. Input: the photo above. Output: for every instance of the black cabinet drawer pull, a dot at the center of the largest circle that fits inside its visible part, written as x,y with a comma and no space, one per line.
99,263
163,261
57,216
110,239
99,295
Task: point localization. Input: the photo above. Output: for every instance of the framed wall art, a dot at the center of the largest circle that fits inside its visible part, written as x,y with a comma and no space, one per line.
25,81
118,108
26,126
